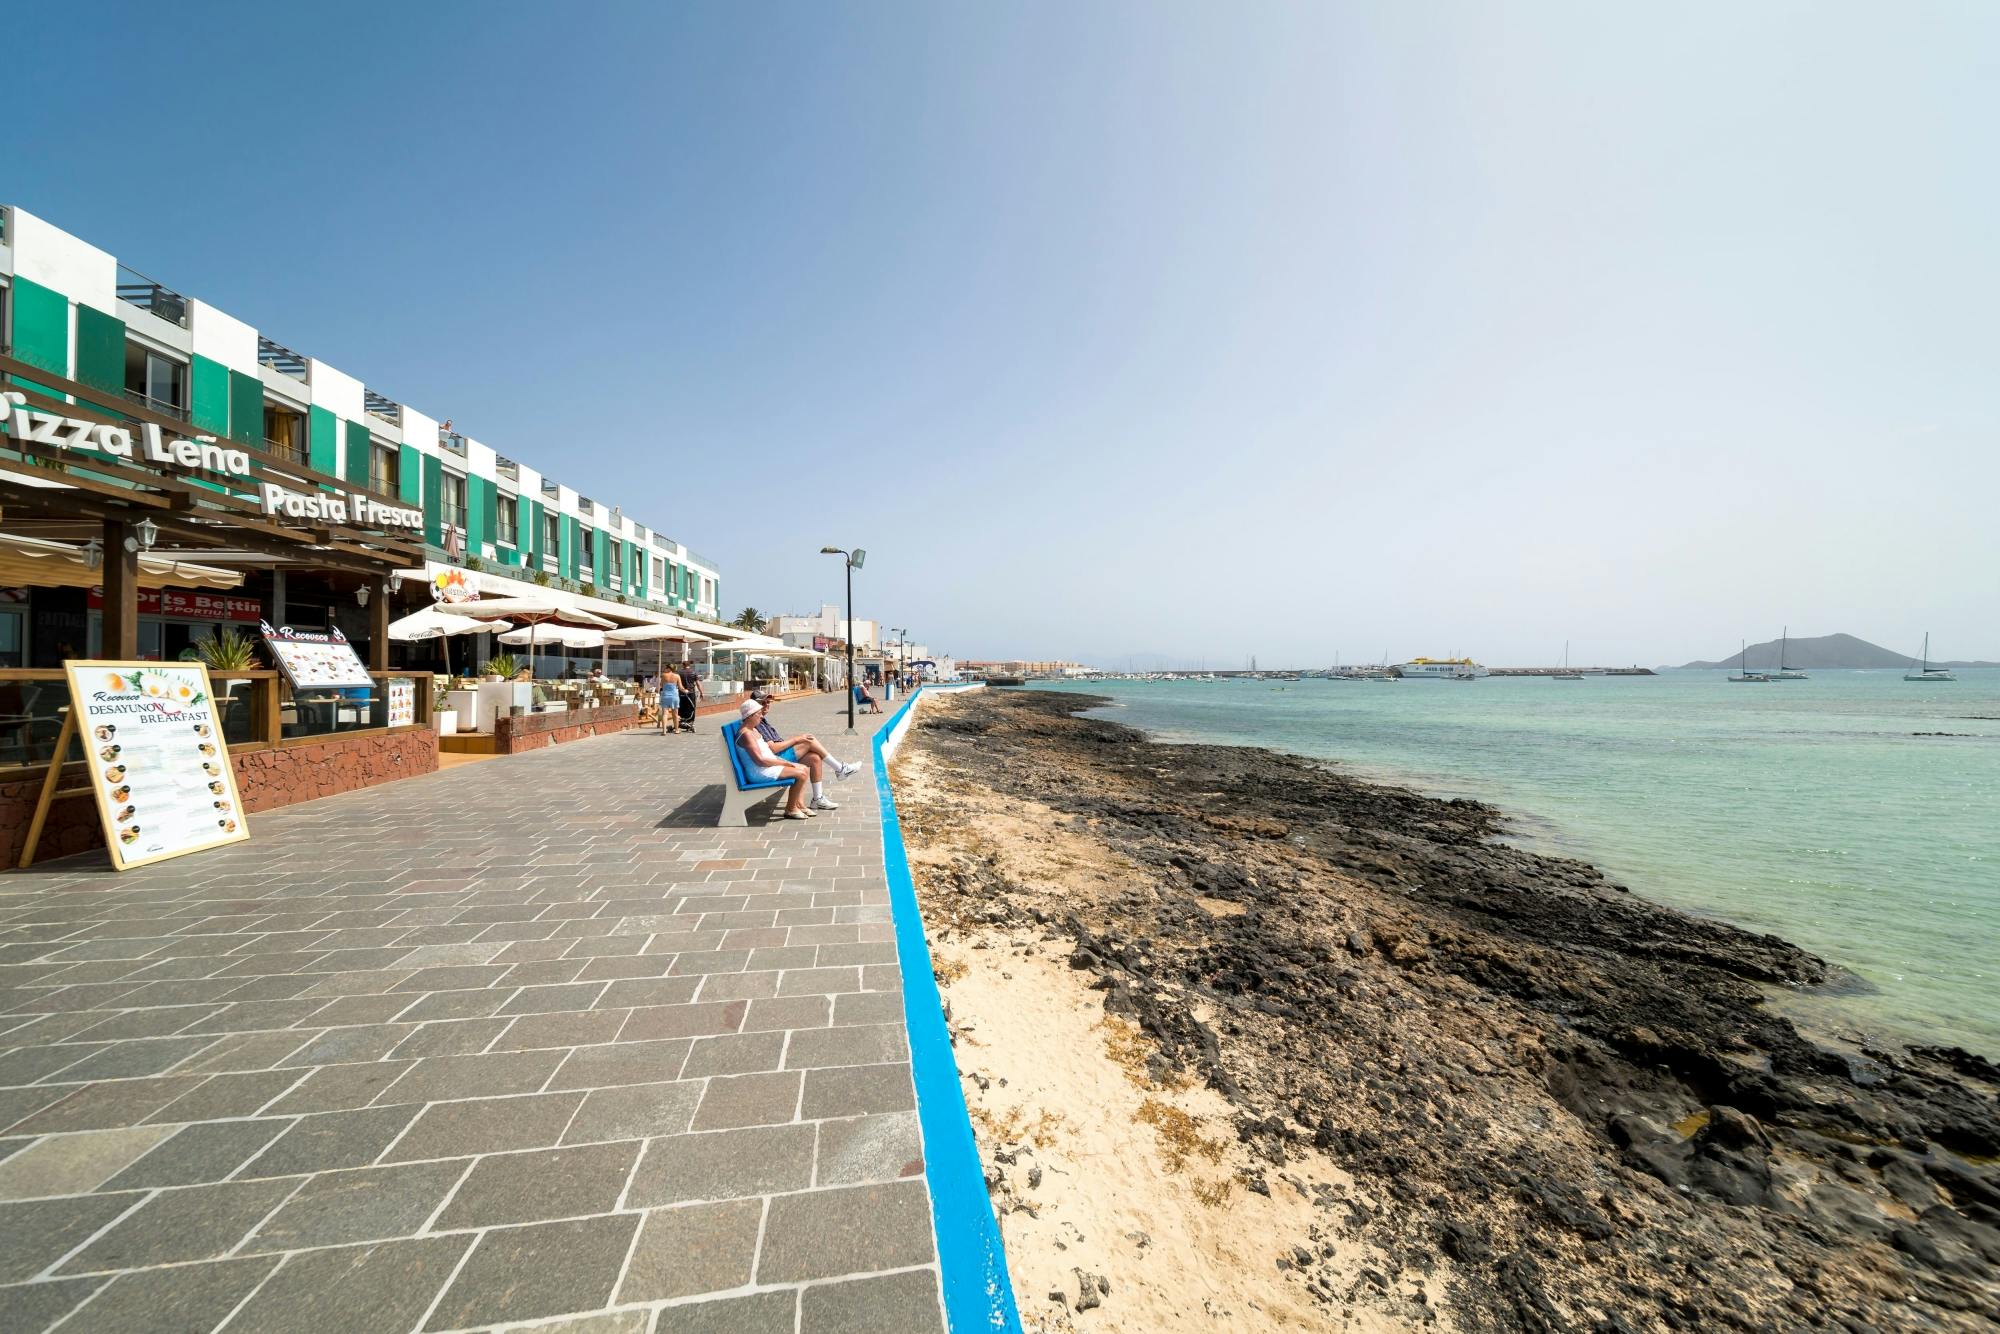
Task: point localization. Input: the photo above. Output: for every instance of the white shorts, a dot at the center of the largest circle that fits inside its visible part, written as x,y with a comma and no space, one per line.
769,771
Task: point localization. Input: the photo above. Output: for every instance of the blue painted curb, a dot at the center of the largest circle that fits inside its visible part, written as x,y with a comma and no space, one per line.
972,1266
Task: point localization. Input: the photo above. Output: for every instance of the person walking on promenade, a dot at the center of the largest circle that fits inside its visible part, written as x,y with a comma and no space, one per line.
807,747
761,760
690,696
670,702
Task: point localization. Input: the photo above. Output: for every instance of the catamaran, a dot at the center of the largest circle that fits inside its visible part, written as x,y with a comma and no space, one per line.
1784,672
1928,672
1566,674
1743,672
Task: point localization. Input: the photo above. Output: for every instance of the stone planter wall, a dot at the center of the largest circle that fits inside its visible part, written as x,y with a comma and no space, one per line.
265,780
532,731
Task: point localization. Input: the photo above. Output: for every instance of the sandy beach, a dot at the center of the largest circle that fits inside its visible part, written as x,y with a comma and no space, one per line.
1251,1045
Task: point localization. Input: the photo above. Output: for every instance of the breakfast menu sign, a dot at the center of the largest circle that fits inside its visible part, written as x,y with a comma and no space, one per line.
156,759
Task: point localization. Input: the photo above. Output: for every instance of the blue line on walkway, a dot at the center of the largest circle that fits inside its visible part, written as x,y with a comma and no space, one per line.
972,1266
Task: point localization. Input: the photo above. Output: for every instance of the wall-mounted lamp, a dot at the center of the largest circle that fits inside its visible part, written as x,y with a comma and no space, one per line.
93,554
361,595
149,533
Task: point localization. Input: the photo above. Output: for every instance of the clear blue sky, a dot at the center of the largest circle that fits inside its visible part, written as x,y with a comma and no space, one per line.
1128,328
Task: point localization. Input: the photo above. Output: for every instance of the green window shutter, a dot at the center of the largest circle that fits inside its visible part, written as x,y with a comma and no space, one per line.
528,528
100,349
322,437
41,330
246,408
410,476
480,513
645,568
433,500
566,558
358,450
208,394
600,555
489,511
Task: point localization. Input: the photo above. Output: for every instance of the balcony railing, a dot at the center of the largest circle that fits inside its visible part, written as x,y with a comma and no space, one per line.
382,406
143,292
280,358
159,405
452,440
286,450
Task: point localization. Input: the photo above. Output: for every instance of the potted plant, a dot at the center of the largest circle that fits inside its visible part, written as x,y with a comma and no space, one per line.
500,667
442,713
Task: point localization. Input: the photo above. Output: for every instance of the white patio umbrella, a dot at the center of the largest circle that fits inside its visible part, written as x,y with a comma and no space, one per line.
568,636
437,623
659,635
533,613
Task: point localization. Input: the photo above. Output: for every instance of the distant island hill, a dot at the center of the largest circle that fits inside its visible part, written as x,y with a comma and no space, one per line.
1827,652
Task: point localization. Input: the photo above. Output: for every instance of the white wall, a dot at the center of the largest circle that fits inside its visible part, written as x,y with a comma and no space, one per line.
338,393
55,259
222,338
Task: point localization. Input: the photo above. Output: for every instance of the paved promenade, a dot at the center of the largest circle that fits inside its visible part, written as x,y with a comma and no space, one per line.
524,1043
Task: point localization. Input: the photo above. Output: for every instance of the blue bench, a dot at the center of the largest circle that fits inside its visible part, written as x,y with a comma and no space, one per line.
747,791
861,700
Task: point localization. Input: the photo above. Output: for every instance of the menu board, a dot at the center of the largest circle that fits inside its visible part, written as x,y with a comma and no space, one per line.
402,701
158,765
315,661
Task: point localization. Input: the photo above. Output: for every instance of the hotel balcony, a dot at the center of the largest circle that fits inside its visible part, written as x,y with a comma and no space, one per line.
137,289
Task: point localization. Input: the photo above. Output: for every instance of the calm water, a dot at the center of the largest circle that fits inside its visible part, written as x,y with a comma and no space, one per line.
1804,808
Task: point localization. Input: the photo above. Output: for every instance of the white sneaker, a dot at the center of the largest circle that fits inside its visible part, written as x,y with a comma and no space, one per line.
845,770
822,804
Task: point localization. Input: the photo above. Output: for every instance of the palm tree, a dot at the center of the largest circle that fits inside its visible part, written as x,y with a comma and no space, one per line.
749,619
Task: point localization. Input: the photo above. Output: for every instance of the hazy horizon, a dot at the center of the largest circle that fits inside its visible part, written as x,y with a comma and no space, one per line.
1195,330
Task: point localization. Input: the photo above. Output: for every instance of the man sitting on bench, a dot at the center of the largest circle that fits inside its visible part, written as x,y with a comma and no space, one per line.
761,760
866,700
806,746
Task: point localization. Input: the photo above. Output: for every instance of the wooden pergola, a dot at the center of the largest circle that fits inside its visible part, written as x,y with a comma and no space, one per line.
69,495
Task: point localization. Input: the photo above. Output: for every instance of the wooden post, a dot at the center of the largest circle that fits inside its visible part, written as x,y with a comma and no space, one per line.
378,626
121,592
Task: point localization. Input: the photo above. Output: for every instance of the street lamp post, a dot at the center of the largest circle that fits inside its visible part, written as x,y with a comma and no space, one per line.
902,657
853,562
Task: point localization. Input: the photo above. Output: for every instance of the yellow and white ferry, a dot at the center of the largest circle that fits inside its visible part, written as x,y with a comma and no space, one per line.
1440,669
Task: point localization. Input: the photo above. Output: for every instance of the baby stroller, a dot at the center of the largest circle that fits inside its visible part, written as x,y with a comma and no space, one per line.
687,711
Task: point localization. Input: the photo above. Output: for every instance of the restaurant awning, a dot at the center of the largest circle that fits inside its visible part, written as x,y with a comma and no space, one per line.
434,623
41,564
552,636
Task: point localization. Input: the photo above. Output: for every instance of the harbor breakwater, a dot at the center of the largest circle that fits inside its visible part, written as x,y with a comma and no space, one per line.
1554,1105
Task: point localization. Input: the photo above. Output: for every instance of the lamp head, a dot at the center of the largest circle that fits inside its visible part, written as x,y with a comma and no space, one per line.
858,557
831,551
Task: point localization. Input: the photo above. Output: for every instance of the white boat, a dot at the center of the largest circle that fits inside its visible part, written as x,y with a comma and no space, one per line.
1440,669
1743,672
1566,674
1785,672
1928,672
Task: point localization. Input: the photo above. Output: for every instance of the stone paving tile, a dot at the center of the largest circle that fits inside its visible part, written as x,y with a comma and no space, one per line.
183,1298
198,1154
759,1313
724,1165
328,1141
512,1053
192,1223
383,1287
74,1164
693,1249
489,1125
547,1269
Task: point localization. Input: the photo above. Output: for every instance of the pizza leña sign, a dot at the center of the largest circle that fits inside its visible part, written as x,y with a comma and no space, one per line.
203,453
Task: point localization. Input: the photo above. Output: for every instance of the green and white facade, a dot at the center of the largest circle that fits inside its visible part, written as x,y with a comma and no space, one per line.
75,310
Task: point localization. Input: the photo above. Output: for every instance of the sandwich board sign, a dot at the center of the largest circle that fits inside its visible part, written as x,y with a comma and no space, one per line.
313,661
154,760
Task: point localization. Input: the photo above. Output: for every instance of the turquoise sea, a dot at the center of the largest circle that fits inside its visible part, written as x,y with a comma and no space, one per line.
1805,808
